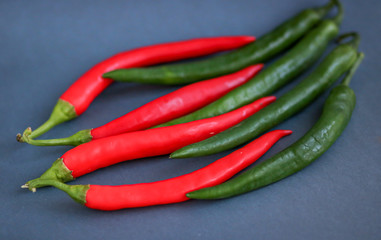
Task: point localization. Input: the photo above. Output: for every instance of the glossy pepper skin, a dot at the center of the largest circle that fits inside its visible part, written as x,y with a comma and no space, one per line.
263,49
180,102
332,67
276,75
171,190
336,114
75,100
107,151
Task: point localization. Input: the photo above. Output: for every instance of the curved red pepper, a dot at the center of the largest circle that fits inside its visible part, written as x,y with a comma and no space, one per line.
176,104
82,92
174,189
104,152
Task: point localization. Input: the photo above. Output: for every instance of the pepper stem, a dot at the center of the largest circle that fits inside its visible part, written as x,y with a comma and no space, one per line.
323,10
62,112
57,172
76,139
355,39
340,12
76,192
348,77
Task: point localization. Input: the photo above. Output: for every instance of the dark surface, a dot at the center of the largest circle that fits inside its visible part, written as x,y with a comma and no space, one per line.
47,44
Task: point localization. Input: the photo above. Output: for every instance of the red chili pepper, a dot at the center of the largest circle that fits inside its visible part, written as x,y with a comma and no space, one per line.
82,92
107,151
160,110
171,190
176,104
91,84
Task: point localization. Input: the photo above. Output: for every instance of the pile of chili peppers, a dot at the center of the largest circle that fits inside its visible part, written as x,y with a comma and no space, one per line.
226,105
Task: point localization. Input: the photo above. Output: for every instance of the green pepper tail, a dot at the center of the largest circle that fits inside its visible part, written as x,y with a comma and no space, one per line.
76,192
323,10
76,139
353,69
340,12
57,172
355,41
62,112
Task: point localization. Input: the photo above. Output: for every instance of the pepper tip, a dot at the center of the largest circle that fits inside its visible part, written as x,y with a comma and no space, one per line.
288,132
173,155
107,74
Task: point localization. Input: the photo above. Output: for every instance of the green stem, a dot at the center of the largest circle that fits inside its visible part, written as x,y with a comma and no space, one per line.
355,41
340,12
323,10
353,69
58,172
76,192
62,112
76,139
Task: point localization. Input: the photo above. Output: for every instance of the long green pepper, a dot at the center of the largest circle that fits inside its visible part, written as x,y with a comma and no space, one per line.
261,50
336,114
332,67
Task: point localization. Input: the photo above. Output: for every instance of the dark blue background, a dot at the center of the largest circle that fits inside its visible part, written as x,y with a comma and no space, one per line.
46,45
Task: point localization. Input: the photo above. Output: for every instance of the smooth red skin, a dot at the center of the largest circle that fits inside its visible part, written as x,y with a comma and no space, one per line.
107,151
176,104
83,91
174,189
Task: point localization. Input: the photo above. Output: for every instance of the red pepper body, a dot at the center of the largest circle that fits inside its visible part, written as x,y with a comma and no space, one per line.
83,91
174,189
104,152
176,104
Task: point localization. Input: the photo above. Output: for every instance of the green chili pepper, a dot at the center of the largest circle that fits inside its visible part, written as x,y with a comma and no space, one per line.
335,117
332,67
285,69
261,50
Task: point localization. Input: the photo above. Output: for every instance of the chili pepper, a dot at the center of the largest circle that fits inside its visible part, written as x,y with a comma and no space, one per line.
75,100
336,114
332,67
170,190
264,48
163,109
104,152
285,69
